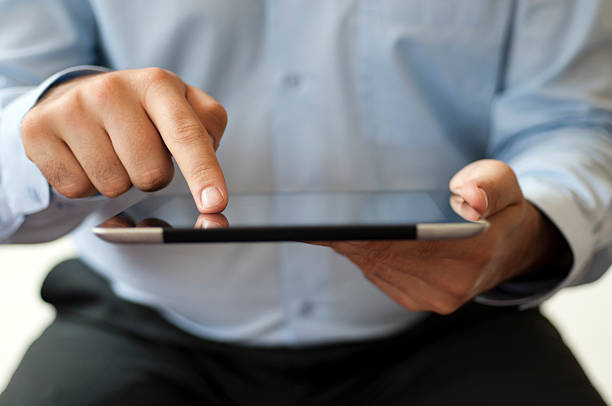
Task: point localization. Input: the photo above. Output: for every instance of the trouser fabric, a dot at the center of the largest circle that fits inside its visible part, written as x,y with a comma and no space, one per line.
103,350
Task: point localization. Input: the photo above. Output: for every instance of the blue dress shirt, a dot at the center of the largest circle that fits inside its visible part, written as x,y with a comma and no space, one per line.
325,95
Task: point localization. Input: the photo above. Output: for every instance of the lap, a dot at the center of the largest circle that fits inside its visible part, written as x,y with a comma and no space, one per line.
74,363
103,350
507,359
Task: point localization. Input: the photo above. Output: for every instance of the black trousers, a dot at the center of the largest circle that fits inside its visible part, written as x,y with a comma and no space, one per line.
102,350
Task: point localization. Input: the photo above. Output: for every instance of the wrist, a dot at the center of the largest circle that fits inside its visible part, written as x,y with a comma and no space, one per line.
546,252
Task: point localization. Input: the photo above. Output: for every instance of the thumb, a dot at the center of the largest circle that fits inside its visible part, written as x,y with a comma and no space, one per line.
488,186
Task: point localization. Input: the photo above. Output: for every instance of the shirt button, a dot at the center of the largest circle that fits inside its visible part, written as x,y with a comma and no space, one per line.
292,81
306,309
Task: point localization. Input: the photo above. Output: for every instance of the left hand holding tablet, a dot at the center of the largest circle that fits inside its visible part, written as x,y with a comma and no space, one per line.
440,276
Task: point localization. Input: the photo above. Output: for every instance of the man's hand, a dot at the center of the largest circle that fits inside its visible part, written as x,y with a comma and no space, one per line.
440,276
109,131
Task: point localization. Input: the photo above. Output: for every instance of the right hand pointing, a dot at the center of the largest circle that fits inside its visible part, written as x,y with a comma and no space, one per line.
106,132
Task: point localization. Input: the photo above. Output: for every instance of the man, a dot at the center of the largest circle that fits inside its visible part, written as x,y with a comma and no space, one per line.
321,95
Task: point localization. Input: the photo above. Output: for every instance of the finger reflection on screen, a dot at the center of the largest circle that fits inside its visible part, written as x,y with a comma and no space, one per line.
153,222
463,209
119,221
206,221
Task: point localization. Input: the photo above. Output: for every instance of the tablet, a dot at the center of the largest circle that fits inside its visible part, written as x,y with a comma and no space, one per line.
403,215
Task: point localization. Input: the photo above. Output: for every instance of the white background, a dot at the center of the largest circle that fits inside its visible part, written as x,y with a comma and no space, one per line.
582,314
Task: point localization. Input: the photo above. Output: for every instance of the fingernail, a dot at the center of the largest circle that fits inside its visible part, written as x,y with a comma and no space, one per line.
211,197
486,199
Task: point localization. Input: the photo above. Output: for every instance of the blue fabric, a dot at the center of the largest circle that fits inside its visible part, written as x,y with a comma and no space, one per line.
326,95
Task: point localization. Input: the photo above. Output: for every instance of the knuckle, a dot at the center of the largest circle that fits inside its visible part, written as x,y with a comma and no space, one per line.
32,127
68,183
30,123
411,306
203,173
444,311
503,167
114,189
459,290
507,171
154,76
445,306
56,173
112,182
28,153
154,179
74,189
73,108
156,79
188,132
103,89
216,110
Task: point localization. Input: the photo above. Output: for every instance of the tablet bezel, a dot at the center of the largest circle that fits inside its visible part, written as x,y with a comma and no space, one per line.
313,232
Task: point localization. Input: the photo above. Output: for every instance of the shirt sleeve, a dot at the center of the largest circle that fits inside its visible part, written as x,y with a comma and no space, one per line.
39,42
552,123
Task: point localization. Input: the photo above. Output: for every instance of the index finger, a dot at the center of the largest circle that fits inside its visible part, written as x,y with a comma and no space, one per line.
187,140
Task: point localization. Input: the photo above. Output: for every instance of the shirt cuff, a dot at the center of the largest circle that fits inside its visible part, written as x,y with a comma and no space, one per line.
559,206
27,190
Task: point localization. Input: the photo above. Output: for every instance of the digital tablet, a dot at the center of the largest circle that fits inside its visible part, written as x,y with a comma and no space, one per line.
405,215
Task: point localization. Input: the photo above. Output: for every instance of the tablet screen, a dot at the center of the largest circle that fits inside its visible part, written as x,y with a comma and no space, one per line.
309,209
